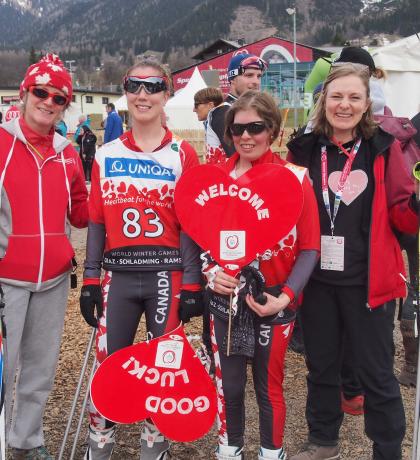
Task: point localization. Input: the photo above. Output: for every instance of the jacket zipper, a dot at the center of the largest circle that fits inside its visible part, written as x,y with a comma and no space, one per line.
41,221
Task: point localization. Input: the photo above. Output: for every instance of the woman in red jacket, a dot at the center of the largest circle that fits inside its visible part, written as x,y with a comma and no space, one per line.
42,192
252,123
363,193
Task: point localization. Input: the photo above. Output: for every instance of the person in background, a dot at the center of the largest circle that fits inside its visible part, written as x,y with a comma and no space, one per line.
205,100
252,124
61,128
244,74
113,124
84,120
87,143
138,242
42,193
364,192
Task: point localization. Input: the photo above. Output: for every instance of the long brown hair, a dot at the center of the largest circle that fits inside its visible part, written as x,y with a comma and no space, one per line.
366,126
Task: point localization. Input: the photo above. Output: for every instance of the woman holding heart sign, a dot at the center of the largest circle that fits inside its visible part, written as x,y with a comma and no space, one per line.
364,193
151,268
264,315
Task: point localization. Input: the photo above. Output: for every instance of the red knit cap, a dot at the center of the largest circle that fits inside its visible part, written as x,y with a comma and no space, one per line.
48,71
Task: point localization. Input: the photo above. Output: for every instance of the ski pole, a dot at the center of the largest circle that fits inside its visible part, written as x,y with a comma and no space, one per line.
416,434
82,412
77,393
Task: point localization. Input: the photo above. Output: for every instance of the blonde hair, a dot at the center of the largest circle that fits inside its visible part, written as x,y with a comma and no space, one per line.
263,104
163,70
366,126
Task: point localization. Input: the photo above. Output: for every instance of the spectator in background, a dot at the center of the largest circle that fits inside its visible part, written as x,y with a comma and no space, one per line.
1,117
244,74
87,143
84,120
113,126
205,100
61,128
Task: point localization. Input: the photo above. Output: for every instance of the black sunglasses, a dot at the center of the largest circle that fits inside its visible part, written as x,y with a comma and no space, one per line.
42,93
151,85
255,127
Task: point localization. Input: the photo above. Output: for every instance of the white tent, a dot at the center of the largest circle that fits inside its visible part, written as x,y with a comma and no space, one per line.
401,60
179,109
121,103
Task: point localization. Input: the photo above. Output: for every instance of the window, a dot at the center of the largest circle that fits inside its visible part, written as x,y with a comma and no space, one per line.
105,100
89,99
73,98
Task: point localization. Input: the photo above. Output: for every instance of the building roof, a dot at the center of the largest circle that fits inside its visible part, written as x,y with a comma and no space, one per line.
215,45
320,51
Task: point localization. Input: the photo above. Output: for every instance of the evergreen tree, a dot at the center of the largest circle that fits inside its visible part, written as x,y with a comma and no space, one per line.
32,56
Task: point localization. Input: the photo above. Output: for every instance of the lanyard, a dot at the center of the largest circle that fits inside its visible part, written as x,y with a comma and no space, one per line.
35,150
343,177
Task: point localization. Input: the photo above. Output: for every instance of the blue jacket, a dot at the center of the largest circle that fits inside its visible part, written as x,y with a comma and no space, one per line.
113,127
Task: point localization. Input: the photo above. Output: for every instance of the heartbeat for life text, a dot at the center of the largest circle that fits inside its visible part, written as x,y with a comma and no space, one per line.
243,193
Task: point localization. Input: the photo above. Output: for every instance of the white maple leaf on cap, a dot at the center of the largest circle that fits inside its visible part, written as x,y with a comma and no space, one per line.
34,70
65,90
43,79
55,68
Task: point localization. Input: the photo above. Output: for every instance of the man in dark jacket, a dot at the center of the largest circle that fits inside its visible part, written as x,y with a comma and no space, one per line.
114,126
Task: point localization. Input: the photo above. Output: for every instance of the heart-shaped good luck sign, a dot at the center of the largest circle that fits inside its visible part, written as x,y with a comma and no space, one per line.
237,220
161,379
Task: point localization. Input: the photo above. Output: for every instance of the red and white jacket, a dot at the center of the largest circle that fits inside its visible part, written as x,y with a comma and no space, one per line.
278,262
39,199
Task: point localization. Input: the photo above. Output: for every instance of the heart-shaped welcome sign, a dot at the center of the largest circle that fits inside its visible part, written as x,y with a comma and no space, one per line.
161,379
235,220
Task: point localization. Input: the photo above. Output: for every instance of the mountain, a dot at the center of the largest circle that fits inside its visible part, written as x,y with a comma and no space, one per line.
93,32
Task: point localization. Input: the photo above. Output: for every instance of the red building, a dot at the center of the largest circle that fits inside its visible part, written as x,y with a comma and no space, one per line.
273,50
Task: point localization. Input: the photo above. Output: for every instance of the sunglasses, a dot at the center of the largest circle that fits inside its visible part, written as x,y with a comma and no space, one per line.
196,104
151,85
42,93
255,127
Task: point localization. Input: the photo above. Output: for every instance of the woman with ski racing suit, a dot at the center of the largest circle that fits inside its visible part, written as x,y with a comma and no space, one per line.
253,123
151,267
43,191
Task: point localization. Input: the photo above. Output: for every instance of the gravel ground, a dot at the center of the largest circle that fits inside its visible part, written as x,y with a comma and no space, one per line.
354,443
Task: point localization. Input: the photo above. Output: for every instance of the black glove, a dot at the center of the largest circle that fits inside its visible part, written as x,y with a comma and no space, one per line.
91,297
254,284
191,304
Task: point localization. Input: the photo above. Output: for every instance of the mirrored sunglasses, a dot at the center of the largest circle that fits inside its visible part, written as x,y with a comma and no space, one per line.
255,127
42,93
151,85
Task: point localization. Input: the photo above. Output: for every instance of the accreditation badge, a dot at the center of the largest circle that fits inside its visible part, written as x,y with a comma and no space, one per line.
332,253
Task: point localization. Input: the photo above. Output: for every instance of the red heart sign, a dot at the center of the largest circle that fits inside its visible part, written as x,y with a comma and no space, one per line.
235,220
161,379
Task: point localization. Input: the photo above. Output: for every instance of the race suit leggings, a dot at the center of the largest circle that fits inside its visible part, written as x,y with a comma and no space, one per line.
267,368
126,296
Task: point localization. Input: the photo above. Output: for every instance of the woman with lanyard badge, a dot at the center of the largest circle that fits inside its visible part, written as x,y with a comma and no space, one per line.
151,268
363,192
